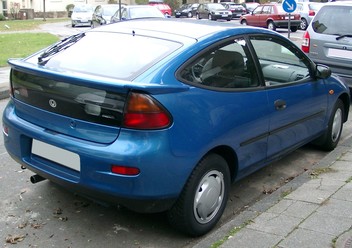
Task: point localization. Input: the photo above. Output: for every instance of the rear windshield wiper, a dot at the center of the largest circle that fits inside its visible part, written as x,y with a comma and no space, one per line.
343,36
58,47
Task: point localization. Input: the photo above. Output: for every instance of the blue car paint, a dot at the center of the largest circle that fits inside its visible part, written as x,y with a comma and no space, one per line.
202,121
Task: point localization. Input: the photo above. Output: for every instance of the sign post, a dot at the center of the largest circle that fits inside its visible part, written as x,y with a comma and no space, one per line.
289,6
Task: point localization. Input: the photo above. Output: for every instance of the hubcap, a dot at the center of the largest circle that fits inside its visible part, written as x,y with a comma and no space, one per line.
336,125
209,197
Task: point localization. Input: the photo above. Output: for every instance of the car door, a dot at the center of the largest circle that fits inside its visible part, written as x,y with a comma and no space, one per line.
263,17
254,18
97,15
238,103
297,101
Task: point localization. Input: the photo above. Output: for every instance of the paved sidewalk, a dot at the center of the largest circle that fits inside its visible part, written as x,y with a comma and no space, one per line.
4,82
313,210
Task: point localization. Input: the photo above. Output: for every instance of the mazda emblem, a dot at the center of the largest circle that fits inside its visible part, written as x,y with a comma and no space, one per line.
52,103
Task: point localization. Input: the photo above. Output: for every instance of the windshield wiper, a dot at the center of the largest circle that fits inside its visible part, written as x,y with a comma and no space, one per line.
58,47
343,36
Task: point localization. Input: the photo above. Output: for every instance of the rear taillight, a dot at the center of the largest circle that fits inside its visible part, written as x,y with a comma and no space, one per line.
144,112
311,13
306,42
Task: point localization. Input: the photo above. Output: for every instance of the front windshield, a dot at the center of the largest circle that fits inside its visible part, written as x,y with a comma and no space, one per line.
216,6
83,8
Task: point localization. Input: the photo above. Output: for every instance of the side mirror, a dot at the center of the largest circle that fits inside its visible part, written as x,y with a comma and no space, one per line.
322,71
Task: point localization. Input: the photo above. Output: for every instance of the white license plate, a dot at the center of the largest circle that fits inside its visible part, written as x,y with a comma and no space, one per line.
291,17
56,154
339,53
225,15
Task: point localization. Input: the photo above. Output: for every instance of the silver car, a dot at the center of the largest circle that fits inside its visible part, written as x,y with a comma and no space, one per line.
82,15
307,10
328,39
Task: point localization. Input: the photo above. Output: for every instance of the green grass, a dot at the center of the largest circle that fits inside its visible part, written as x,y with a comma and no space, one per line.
23,25
19,45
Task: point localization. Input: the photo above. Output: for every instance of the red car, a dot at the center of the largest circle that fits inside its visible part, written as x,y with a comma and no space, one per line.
271,16
163,7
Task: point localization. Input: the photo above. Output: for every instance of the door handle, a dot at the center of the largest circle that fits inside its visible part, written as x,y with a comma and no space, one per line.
280,104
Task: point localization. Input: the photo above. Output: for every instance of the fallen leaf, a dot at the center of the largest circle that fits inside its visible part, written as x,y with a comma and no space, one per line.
14,239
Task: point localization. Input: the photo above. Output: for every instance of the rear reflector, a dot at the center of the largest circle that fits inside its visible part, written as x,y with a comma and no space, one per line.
124,170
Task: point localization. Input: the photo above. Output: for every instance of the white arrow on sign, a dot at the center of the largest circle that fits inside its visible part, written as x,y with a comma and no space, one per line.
290,7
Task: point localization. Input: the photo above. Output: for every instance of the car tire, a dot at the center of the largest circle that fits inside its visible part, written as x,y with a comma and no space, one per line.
189,15
271,26
304,24
329,140
198,17
294,29
244,22
204,197
210,17
177,16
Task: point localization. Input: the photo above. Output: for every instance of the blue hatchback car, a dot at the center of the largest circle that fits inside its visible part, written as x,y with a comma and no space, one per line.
167,113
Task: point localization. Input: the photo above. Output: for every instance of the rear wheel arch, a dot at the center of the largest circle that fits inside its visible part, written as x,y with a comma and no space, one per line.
231,158
271,25
346,102
203,199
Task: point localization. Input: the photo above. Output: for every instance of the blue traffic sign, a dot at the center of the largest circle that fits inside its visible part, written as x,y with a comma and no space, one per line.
289,6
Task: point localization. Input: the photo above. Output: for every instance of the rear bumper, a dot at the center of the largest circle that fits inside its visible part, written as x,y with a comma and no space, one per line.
284,23
161,178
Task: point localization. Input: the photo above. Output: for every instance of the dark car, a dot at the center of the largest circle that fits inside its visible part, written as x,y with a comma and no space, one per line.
167,113
213,11
328,39
130,12
271,16
187,10
103,13
237,10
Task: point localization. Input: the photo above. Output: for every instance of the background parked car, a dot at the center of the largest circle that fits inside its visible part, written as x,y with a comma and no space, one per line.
250,6
103,13
82,15
163,7
307,10
271,16
187,10
328,39
237,10
130,12
213,11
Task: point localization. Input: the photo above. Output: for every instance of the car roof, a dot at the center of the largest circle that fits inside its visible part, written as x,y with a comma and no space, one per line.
339,3
139,6
179,28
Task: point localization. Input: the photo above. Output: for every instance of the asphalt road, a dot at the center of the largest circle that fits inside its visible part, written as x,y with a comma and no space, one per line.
45,215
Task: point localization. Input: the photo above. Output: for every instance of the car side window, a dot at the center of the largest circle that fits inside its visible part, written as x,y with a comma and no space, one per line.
281,62
257,10
226,66
266,10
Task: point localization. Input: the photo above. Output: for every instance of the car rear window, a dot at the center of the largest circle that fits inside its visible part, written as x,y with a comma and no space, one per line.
333,20
116,55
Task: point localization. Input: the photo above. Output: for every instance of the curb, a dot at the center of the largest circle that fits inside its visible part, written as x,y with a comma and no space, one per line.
221,234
